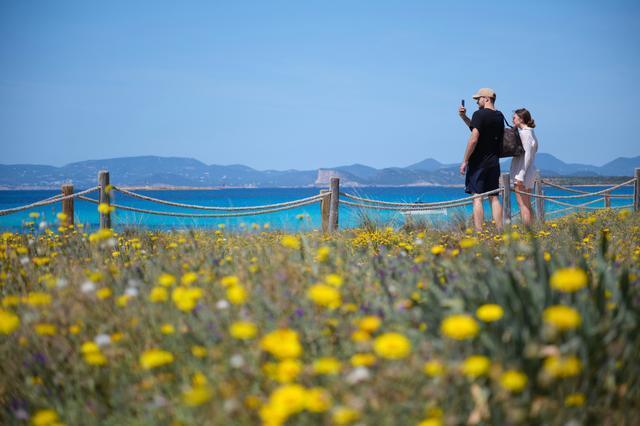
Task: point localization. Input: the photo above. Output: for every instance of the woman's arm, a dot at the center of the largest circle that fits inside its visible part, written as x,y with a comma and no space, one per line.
530,148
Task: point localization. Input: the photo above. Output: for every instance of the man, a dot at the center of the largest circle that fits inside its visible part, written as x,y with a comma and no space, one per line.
481,158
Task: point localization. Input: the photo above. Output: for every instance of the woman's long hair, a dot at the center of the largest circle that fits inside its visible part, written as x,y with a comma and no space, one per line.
525,116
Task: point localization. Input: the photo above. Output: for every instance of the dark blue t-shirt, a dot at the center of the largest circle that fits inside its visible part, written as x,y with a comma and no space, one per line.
490,125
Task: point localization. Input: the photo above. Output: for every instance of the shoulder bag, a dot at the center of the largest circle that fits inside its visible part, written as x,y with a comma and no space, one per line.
511,144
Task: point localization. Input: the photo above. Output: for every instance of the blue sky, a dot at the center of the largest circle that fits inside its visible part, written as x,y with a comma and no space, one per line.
281,85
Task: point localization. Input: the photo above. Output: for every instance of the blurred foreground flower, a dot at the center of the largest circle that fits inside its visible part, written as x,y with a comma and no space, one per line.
459,327
155,358
569,280
562,317
392,346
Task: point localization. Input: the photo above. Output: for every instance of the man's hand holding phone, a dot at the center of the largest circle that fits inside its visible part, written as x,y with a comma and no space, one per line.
462,110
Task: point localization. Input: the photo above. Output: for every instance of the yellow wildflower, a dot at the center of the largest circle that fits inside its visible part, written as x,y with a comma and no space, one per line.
105,208
318,400
437,249
562,317
158,294
322,255
333,280
289,241
167,329
433,368
344,416
468,242
104,293
324,295
288,370
489,312
45,329
9,322
230,281
475,366
237,294
186,298
370,323
197,395
574,400
282,343
392,346
36,298
189,278
360,336
568,366
364,359
166,280
155,358
46,417
95,358
243,330
327,365
513,380
459,327
198,351
569,280
284,402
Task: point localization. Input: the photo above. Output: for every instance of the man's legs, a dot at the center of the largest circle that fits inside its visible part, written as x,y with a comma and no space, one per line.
478,214
496,211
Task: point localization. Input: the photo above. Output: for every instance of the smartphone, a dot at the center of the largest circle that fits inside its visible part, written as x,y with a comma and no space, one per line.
463,102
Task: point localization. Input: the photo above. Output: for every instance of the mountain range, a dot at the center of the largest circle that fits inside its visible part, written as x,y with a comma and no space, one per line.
153,171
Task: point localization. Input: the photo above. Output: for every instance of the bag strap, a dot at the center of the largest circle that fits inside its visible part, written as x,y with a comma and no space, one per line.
505,120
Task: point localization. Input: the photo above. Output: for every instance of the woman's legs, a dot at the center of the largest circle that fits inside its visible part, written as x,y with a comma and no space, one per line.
524,203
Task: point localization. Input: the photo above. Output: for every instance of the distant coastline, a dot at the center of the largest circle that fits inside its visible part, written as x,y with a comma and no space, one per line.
218,188
178,173
563,180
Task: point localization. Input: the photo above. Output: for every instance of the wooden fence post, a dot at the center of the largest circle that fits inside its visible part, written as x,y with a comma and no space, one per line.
636,192
539,201
607,200
505,181
324,209
67,205
105,198
334,204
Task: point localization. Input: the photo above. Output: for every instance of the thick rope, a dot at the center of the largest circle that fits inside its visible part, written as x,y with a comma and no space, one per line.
577,206
204,215
423,205
405,209
217,208
566,197
45,202
577,191
627,206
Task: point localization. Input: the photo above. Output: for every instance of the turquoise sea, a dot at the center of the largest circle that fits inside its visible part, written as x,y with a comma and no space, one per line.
301,218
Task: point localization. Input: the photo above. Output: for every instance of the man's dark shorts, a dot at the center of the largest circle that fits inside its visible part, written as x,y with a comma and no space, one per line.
482,179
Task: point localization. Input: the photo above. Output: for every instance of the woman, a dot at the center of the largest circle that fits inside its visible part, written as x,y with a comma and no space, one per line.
523,167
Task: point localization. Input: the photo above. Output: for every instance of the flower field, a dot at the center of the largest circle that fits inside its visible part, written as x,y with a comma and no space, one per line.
370,326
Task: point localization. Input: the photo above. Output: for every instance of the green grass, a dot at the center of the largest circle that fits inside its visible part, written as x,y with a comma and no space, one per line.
411,279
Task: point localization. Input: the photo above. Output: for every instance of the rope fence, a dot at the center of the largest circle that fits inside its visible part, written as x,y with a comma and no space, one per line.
215,208
420,205
577,191
46,201
287,206
330,202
